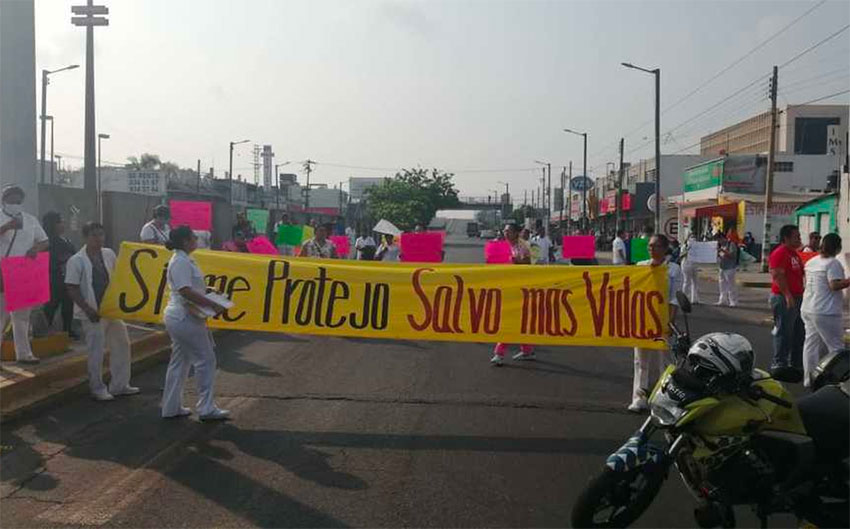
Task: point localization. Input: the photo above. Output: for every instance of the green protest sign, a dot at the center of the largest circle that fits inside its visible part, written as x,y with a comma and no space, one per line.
259,218
639,250
289,234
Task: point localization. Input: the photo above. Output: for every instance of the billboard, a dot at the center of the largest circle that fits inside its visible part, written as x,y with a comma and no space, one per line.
744,174
703,176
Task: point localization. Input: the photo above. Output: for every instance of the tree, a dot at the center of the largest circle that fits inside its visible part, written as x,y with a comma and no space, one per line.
146,162
412,197
521,213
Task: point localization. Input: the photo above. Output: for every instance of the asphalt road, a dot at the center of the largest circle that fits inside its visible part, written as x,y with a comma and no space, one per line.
331,432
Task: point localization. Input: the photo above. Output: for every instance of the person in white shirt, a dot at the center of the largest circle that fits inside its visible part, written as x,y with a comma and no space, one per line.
366,247
86,278
619,248
156,231
649,364
191,342
544,246
20,234
822,304
690,271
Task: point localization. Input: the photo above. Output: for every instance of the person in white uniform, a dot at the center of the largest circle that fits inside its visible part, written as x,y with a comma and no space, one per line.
544,245
822,304
649,364
690,271
86,278
20,234
727,262
191,342
618,248
156,231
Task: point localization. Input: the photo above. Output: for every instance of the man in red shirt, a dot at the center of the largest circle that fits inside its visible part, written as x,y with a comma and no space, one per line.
786,272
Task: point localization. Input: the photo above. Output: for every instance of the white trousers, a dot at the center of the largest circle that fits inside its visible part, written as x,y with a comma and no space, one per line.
824,334
20,329
100,336
728,288
649,364
191,345
690,288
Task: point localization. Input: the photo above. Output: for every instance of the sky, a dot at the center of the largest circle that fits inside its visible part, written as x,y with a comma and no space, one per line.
478,88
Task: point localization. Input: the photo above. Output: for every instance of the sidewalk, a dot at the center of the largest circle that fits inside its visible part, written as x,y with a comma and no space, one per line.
746,277
28,387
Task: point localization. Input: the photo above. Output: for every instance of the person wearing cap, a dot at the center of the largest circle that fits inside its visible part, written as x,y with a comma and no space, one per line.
20,235
157,230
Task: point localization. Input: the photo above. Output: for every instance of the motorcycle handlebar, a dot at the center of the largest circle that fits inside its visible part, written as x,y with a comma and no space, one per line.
759,393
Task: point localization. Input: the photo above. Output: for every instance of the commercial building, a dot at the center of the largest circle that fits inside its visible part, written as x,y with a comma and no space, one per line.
819,214
357,186
802,129
728,192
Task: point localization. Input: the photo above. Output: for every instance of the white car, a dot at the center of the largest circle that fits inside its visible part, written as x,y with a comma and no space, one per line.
487,234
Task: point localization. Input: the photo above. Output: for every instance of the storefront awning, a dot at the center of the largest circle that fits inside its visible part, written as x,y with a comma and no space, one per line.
723,210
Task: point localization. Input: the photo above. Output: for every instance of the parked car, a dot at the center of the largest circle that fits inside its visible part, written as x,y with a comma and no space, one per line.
487,234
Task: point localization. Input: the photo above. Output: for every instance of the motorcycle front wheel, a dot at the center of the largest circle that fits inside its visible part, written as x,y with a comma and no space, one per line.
617,499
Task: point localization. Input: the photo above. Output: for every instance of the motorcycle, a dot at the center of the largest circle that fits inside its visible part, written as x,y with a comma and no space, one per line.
752,446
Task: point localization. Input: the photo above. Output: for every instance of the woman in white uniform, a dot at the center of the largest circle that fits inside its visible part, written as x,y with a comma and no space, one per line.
690,272
191,342
648,363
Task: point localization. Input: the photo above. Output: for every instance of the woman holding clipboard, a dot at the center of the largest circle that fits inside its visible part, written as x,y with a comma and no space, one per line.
191,342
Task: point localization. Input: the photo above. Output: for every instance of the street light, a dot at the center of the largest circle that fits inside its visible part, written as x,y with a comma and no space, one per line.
547,192
657,73
584,182
99,180
44,83
230,173
50,119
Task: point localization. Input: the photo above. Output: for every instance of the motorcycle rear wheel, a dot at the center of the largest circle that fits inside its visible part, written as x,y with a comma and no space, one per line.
617,499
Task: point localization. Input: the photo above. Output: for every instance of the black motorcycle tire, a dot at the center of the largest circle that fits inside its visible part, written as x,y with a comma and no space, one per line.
609,482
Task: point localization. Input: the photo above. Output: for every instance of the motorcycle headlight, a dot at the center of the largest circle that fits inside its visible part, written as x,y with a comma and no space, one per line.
665,410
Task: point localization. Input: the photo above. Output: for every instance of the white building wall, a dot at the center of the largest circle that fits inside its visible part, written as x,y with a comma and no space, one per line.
810,173
785,136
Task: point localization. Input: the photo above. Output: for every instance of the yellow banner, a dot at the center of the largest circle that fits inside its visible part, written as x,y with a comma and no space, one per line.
557,305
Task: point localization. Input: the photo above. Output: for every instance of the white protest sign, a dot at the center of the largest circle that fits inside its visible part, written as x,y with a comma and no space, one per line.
702,252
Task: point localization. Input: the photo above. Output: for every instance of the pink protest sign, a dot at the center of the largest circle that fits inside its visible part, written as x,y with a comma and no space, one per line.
196,215
343,245
26,281
426,247
579,247
498,252
261,245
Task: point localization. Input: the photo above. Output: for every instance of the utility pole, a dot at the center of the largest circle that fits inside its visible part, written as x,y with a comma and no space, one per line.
548,197
561,205
768,184
619,198
89,21
525,197
308,167
657,150
570,199
199,175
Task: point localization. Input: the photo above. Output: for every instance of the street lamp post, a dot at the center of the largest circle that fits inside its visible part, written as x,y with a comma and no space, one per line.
99,179
87,18
44,82
230,173
584,181
547,191
657,73
50,119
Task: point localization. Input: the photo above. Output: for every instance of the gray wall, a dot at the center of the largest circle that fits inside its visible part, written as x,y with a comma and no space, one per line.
124,214
76,206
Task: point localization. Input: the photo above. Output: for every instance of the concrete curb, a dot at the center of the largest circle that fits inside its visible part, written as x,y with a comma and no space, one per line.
32,393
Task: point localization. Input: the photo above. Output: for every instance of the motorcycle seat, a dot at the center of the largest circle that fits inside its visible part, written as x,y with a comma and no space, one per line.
826,416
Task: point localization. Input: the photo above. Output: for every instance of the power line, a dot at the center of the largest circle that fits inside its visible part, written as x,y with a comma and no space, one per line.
738,61
824,97
721,72
815,46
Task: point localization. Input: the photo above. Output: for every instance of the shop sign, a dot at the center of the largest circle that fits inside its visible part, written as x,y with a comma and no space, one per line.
581,183
744,174
704,176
